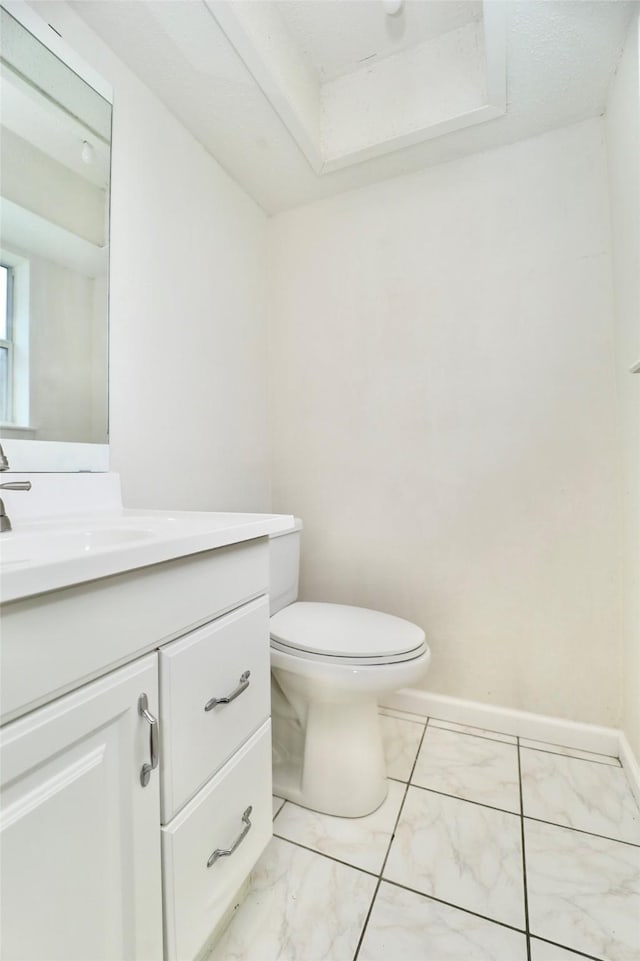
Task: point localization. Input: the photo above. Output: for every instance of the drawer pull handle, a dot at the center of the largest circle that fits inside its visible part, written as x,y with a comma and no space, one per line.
154,751
226,852
242,686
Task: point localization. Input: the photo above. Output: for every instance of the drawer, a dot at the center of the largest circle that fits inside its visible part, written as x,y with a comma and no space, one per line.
209,664
128,614
196,896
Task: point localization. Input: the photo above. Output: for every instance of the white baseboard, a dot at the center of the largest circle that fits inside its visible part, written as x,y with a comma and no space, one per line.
537,727
630,764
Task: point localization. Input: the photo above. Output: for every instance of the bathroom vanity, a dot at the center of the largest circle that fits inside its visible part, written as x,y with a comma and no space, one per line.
135,747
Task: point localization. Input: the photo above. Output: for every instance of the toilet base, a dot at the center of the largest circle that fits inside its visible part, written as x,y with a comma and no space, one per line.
328,755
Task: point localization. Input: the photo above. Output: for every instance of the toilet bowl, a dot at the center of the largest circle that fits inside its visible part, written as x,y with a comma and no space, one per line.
329,665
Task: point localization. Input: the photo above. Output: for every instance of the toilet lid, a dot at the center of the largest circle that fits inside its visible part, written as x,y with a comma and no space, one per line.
338,630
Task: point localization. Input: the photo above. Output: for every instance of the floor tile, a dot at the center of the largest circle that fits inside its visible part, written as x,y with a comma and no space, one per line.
473,768
405,926
569,751
401,741
583,891
543,951
362,842
460,852
581,794
467,729
277,804
300,905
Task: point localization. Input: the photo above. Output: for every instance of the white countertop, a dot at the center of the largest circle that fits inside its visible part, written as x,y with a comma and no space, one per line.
48,553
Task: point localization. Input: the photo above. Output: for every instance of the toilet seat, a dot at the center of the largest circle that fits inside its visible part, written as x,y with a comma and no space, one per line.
341,634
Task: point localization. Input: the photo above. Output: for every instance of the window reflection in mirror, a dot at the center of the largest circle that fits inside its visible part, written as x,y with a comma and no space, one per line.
55,155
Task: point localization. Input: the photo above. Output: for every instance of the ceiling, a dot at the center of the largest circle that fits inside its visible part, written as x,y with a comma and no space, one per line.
278,91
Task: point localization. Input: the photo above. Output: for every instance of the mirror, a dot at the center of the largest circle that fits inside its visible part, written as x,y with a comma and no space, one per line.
55,156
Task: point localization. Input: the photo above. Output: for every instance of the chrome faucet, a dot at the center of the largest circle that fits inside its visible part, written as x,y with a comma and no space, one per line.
5,523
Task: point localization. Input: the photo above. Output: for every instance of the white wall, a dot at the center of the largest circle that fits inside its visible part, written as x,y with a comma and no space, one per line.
66,324
623,141
443,398
188,420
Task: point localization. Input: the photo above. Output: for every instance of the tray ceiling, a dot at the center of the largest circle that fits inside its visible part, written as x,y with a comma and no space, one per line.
302,99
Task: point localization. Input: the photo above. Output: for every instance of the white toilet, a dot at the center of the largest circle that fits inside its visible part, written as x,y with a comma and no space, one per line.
329,665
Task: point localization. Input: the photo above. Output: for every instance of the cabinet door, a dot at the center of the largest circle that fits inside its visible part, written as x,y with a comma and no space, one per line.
79,834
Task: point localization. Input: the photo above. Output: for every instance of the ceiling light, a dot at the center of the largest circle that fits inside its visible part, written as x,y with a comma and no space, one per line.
87,153
392,7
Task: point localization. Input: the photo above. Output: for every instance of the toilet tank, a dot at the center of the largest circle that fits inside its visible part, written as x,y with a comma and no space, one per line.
284,564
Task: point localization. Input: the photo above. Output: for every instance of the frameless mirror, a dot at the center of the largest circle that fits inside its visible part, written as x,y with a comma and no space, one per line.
55,156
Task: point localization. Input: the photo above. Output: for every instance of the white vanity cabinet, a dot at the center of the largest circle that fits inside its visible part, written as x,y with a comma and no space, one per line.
80,855
102,861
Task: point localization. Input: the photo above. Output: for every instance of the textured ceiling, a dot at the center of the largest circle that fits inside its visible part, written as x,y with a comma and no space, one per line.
560,55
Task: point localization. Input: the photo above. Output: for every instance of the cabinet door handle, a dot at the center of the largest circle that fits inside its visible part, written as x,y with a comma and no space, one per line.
226,852
154,748
243,684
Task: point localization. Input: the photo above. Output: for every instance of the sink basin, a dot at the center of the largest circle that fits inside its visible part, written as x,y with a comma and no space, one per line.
20,548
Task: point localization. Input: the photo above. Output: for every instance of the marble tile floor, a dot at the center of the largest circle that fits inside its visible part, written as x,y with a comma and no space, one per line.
487,848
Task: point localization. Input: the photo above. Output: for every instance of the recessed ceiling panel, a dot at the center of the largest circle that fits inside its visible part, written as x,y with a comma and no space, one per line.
339,36
408,94
448,81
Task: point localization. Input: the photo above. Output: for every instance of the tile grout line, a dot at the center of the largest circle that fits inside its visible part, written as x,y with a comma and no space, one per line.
420,721
513,738
393,834
329,857
366,920
579,954
408,785
614,762
591,834
481,737
524,860
528,817
456,907
437,721
457,797
574,757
